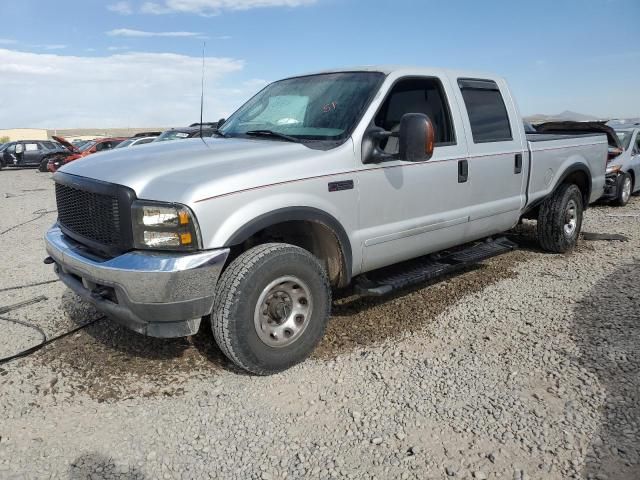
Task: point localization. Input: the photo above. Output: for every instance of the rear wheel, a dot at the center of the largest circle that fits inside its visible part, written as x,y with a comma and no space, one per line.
271,308
560,219
624,186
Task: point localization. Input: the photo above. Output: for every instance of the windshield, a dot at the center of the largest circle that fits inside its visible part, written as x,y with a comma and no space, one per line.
172,135
316,107
126,143
2,147
625,137
87,146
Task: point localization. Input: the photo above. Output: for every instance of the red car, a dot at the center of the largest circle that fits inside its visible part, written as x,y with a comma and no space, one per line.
94,146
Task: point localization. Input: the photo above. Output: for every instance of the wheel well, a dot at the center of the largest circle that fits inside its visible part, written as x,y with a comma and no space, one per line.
581,179
315,237
633,179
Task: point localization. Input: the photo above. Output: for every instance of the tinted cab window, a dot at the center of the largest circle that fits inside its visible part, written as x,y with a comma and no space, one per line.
486,109
416,95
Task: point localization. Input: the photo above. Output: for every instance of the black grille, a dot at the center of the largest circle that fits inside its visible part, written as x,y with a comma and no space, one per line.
91,215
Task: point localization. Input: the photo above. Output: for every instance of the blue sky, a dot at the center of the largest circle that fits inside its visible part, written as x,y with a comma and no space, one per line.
135,63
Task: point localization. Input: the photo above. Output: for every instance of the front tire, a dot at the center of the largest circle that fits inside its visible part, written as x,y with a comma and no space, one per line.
560,219
43,165
271,308
624,186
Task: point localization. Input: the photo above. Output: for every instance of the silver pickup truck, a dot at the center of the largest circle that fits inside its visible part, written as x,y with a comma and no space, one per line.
317,182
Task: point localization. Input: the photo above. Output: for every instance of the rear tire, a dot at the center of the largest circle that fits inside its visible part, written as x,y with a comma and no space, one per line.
560,219
271,308
624,186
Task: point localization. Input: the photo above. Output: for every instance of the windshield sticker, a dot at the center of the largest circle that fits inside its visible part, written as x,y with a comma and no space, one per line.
182,135
329,107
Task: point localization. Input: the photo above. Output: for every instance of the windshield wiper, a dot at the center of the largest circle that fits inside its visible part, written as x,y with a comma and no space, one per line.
271,133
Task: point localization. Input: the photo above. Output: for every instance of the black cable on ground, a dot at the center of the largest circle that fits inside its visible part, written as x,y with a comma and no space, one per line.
44,340
15,306
35,284
40,213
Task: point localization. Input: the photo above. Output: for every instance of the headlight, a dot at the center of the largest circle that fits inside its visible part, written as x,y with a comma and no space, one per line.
164,226
613,168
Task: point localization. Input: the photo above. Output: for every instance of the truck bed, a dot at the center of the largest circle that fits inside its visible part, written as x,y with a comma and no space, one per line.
543,137
551,154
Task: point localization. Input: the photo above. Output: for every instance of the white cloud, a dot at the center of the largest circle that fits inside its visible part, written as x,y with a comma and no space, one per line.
118,49
215,7
123,8
126,89
7,41
127,32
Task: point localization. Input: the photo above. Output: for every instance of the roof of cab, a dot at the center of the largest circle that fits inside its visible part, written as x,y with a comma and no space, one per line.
406,70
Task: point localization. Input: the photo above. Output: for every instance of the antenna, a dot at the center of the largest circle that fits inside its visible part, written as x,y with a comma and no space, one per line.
204,44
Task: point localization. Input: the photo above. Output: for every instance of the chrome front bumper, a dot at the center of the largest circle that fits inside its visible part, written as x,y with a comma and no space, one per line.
156,294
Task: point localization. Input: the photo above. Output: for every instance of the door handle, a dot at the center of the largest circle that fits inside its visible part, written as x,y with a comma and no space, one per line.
463,171
518,166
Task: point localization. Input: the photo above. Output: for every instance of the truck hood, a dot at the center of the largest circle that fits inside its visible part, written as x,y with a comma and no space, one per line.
185,171
70,146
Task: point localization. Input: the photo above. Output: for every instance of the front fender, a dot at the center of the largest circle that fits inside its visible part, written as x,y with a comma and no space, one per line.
231,219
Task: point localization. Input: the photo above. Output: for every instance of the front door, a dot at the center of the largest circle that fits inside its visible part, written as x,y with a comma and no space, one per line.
408,209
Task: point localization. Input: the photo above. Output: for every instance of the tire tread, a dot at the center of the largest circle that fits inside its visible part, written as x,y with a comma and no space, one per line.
227,293
550,227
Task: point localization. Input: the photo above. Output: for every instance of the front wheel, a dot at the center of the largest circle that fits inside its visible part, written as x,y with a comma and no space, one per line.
560,219
43,165
271,308
624,185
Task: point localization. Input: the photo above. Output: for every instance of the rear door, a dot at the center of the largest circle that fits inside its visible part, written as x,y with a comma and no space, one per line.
498,157
32,153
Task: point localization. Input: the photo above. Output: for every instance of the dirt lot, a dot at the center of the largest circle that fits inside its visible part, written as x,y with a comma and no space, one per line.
525,367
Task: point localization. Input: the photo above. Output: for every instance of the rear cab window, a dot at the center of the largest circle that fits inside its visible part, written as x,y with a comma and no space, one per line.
487,112
492,121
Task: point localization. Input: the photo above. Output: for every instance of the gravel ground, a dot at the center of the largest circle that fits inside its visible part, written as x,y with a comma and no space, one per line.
525,367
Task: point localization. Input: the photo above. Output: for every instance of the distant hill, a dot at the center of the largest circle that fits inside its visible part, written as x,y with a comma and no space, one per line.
566,115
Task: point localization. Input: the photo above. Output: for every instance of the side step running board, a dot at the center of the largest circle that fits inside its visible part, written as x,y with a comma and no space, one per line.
388,279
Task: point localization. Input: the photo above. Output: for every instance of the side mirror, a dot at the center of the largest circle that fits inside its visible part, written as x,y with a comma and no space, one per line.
416,137
221,122
19,148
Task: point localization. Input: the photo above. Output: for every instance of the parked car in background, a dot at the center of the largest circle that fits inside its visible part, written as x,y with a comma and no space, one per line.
146,134
623,171
80,143
94,146
317,182
572,127
132,142
31,153
192,131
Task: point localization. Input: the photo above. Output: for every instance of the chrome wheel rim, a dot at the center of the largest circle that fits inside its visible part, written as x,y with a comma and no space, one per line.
571,218
626,189
283,311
